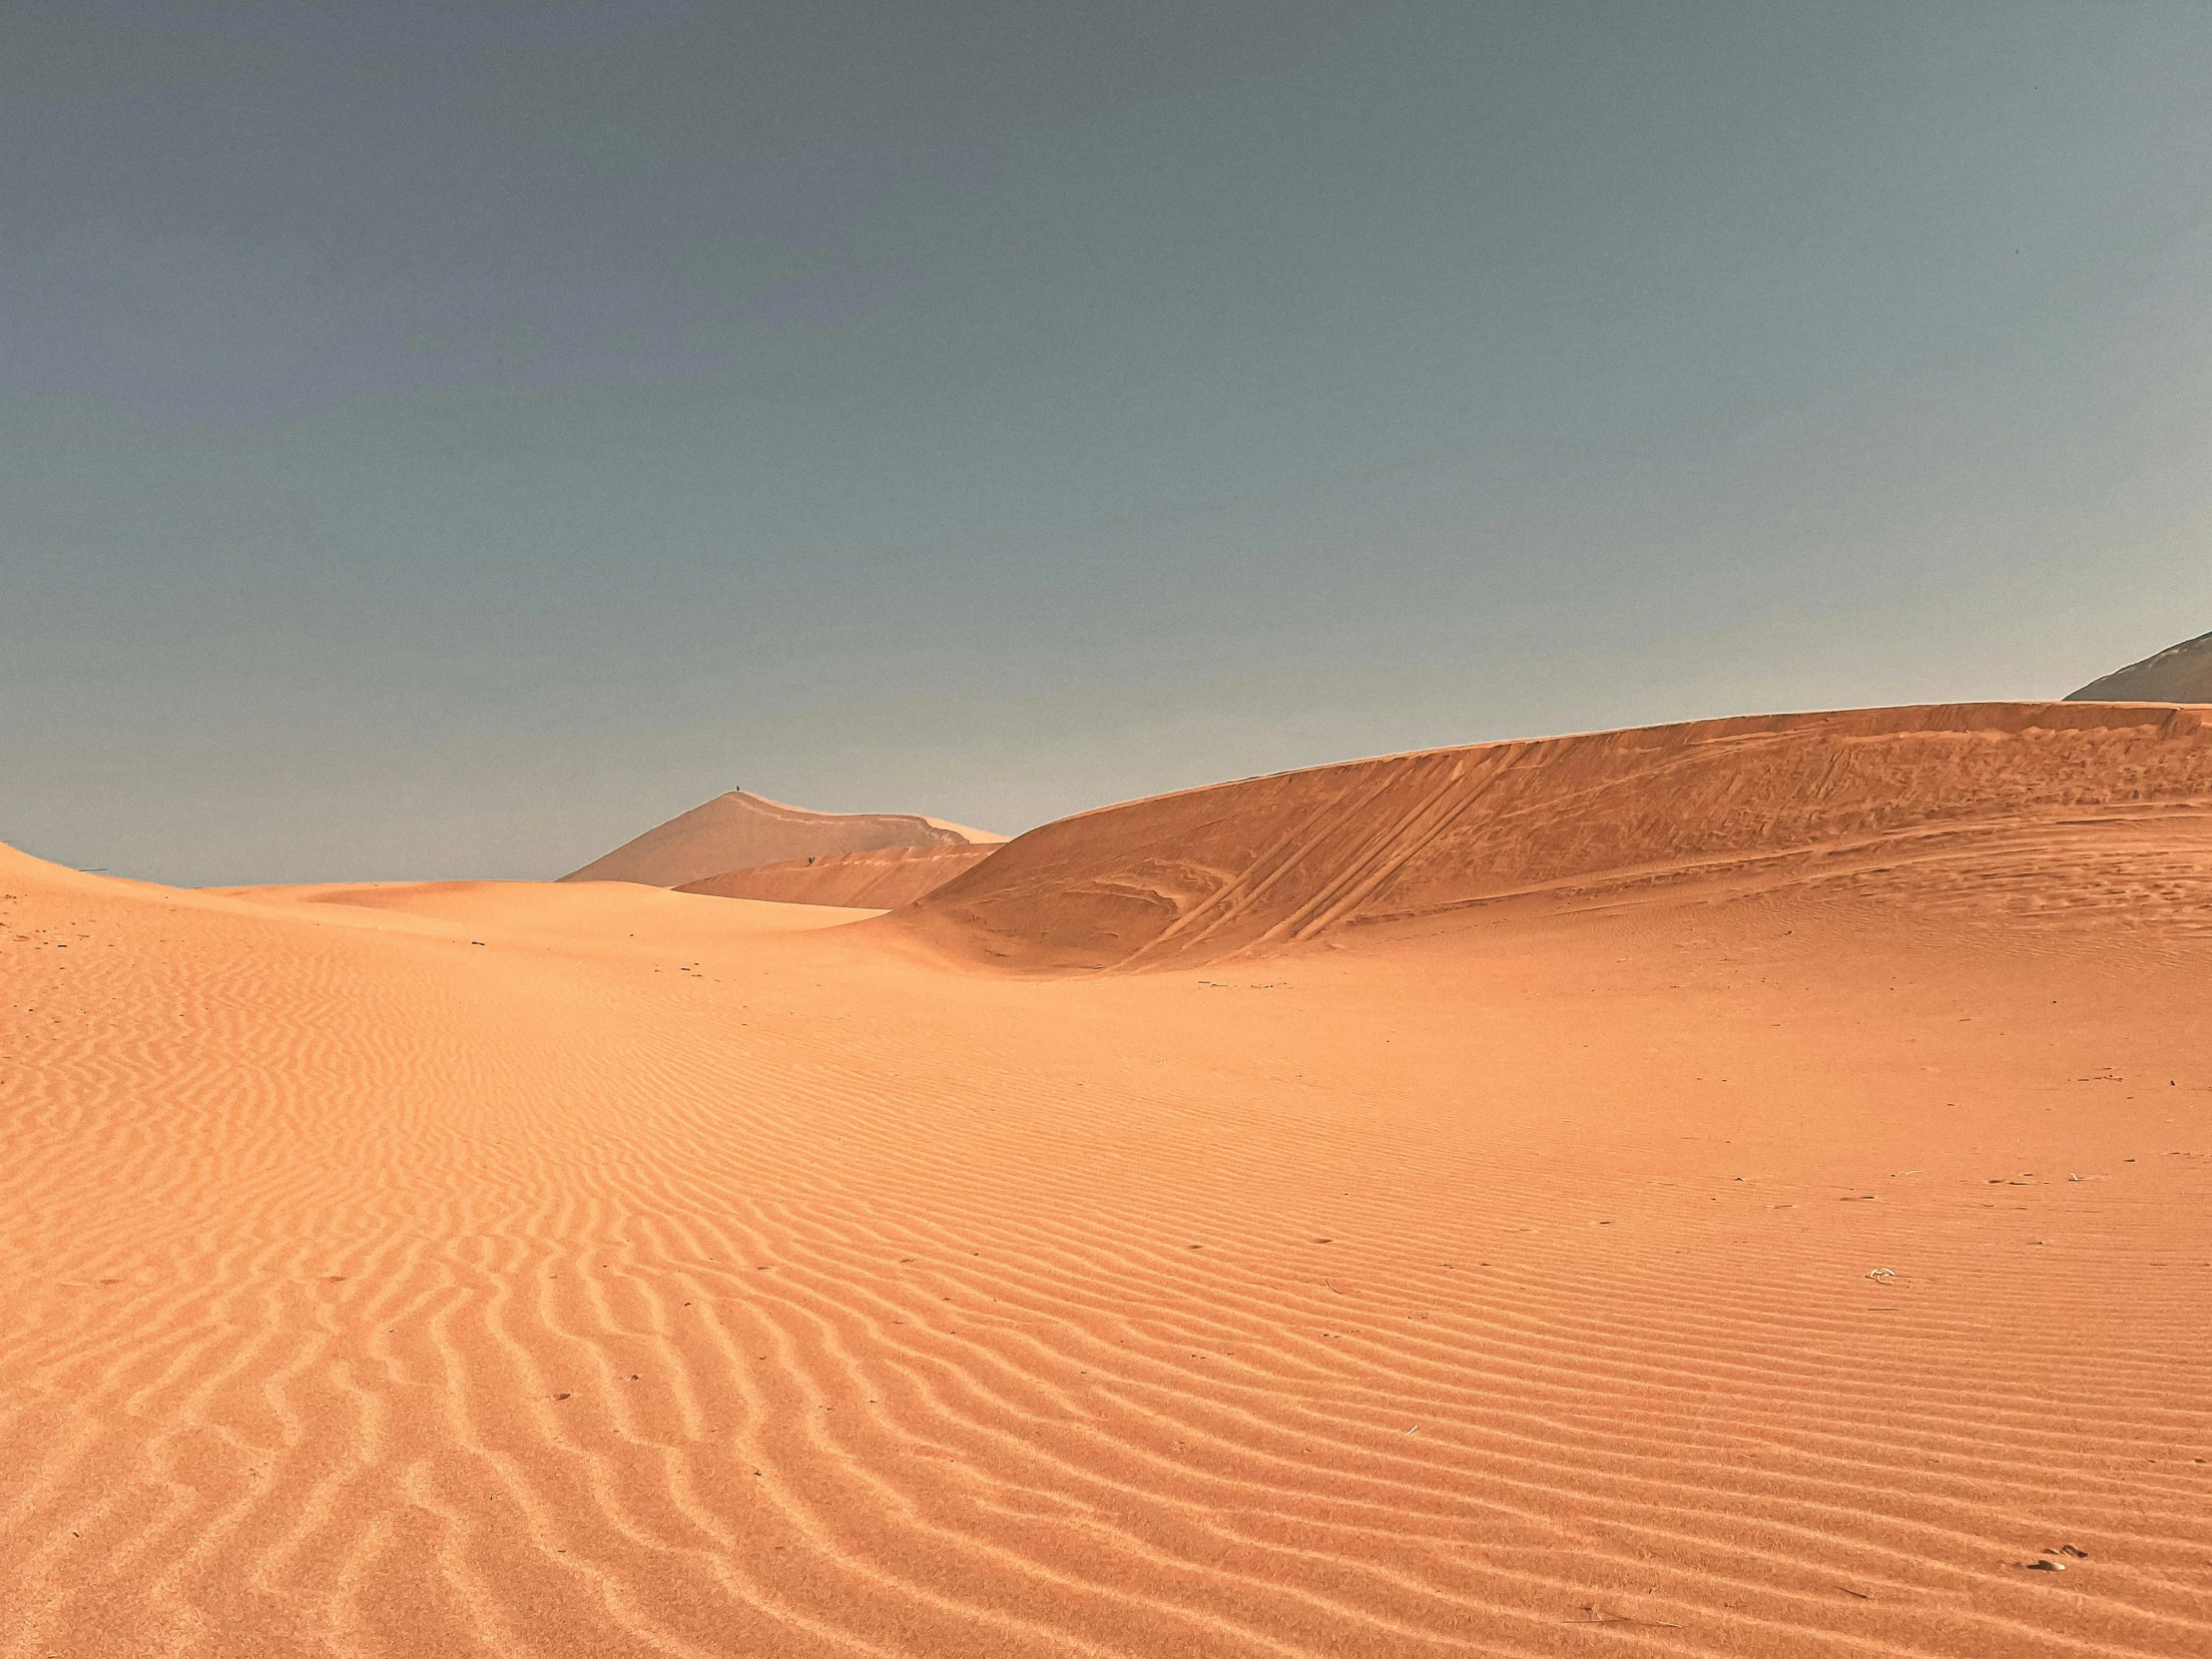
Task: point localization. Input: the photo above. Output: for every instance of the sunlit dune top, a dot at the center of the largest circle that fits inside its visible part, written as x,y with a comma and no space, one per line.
739,831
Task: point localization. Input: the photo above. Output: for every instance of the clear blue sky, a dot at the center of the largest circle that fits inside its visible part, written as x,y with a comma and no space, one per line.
444,439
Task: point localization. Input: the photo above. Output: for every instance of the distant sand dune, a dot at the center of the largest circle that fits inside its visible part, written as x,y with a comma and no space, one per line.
1273,861
738,831
2179,673
1772,1224
883,879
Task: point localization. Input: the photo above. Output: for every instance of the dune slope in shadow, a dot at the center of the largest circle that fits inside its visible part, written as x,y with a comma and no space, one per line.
2179,673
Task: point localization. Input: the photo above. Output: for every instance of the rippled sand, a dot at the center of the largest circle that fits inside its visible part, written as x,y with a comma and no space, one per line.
1768,1255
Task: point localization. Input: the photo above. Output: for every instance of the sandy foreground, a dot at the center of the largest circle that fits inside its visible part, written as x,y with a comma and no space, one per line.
1780,1256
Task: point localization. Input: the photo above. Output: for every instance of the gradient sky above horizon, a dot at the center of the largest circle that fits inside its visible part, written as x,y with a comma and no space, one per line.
444,439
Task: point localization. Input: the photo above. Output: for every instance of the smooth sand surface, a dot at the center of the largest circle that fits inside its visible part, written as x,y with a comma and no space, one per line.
596,918
738,831
1730,1264
2179,673
884,879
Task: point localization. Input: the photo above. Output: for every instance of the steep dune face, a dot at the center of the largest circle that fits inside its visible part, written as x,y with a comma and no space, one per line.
1269,863
884,879
738,831
2179,673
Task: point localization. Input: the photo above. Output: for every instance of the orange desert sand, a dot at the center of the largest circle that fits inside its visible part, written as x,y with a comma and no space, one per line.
1739,1187
738,831
884,879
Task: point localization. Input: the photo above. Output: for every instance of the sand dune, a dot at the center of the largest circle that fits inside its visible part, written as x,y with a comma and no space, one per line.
1271,861
884,879
2179,673
1774,1256
597,916
738,831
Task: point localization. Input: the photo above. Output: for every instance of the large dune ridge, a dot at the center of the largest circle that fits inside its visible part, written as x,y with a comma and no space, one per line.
737,831
885,879
1271,862
2179,673
1732,1190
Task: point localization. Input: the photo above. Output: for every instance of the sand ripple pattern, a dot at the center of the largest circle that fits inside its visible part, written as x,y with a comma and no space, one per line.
379,1292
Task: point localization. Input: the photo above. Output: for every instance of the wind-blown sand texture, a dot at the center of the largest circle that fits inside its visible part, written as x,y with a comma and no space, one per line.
2179,673
738,831
884,879
1776,1257
1270,862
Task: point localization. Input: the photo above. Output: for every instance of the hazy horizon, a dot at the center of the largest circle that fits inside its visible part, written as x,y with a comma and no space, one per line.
447,440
